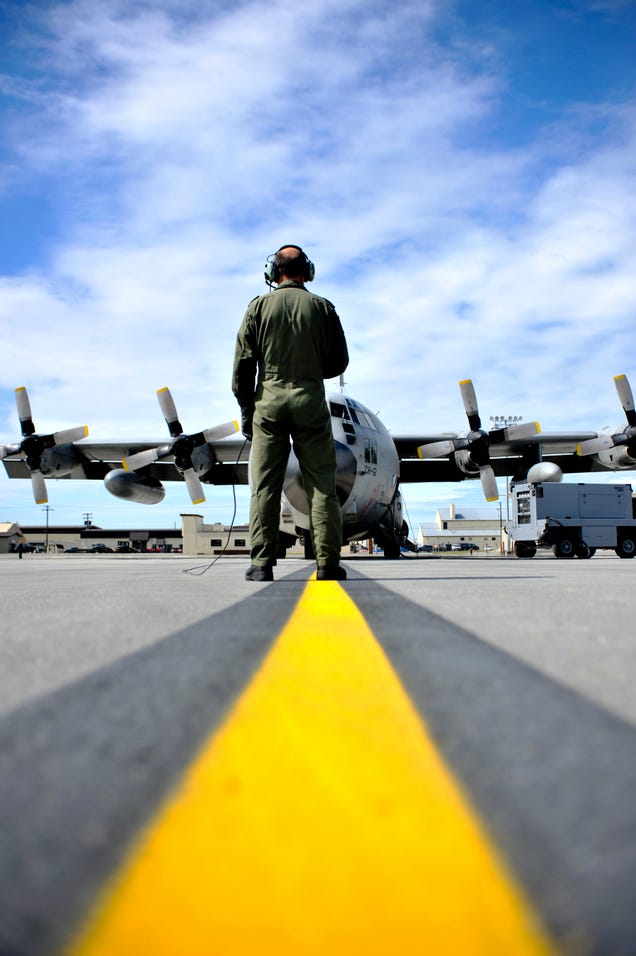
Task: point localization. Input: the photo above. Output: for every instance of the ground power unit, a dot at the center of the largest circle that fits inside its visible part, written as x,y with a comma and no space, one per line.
573,520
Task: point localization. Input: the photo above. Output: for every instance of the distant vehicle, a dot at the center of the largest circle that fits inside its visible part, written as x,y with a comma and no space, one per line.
102,549
468,546
572,519
75,551
124,549
425,547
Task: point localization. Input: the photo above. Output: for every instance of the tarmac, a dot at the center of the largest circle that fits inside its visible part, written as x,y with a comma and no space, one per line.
115,670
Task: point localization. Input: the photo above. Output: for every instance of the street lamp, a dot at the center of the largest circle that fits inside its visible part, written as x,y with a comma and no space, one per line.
503,421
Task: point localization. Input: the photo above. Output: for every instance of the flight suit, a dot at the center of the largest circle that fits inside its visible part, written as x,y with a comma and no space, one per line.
294,340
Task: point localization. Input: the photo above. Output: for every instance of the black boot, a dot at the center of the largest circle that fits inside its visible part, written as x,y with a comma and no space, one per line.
259,572
331,572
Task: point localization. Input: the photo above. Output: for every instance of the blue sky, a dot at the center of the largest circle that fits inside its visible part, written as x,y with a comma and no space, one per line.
463,175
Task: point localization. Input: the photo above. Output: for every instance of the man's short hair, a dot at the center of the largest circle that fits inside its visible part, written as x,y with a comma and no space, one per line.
292,263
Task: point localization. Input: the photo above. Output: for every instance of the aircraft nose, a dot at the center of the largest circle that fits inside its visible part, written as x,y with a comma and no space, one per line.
294,487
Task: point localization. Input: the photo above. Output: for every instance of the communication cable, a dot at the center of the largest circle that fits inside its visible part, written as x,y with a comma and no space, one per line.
200,569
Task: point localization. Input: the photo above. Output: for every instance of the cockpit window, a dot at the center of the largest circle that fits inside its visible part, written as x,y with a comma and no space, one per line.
359,415
338,410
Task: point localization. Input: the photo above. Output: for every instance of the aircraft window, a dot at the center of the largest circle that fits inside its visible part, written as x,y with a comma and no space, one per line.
365,419
370,452
337,410
358,415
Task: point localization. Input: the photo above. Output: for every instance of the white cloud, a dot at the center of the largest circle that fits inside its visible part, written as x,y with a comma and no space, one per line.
183,144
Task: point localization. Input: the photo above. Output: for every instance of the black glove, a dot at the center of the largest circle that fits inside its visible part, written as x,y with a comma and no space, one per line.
246,423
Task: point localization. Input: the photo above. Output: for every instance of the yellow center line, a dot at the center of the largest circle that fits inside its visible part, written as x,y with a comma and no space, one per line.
320,819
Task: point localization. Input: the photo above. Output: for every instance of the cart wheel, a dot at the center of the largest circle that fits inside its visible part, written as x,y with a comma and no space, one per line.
626,548
564,548
525,549
582,551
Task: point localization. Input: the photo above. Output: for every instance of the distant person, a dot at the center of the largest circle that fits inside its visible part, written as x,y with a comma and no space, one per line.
290,340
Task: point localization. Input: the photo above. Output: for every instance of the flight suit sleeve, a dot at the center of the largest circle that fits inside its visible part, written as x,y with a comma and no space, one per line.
245,364
336,357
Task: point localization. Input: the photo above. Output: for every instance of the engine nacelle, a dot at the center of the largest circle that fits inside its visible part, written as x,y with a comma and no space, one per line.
134,487
621,456
59,461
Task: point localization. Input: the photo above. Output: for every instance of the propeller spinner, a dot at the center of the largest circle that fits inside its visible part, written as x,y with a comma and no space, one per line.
627,437
181,446
33,445
478,441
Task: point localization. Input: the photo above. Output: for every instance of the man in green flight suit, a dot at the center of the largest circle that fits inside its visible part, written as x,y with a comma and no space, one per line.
294,340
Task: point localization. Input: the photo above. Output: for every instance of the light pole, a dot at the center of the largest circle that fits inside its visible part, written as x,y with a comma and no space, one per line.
47,508
504,421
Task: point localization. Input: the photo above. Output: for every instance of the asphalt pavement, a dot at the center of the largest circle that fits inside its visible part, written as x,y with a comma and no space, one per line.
114,670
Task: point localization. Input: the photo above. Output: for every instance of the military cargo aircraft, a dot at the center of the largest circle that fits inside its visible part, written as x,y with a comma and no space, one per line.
372,463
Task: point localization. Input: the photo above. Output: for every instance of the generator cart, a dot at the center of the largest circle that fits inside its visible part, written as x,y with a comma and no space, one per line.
572,519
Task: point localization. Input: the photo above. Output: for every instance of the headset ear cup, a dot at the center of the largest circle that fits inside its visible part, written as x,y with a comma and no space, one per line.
272,275
310,271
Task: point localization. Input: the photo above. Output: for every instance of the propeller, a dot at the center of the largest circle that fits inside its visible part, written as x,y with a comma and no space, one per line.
33,445
604,441
181,446
477,442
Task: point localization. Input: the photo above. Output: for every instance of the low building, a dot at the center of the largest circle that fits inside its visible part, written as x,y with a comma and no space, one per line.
11,537
456,530
60,538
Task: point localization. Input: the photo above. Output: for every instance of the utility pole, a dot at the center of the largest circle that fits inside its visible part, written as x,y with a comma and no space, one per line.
47,508
87,519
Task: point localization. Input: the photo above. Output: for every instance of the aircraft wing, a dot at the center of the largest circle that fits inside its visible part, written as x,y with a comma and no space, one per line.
507,457
93,460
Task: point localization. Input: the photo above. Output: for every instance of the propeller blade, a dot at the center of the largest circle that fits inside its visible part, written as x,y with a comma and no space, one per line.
194,486
489,483
24,410
39,487
169,409
221,431
470,403
626,397
436,449
594,445
523,430
142,458
68,435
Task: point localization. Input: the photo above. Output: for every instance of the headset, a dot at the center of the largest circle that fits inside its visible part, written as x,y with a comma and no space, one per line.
272,272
